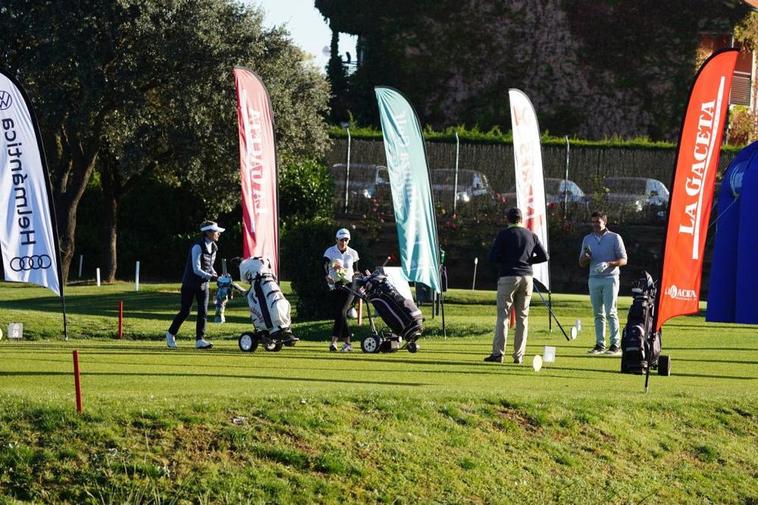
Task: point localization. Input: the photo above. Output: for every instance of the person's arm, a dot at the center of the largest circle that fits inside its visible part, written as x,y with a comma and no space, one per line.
539,254
196,266
585,255
621,258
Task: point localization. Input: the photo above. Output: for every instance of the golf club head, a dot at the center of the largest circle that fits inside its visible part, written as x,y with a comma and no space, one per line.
537,363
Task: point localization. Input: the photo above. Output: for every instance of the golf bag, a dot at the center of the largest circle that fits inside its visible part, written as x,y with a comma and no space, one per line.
640,343
269,310
400,314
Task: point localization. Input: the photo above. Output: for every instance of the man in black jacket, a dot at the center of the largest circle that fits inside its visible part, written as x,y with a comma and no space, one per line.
198,271
514,252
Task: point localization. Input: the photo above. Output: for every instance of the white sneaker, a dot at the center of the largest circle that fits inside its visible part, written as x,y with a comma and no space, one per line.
346,348
203,344
170,341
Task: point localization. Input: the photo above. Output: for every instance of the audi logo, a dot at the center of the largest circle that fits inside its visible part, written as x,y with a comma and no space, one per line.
36,262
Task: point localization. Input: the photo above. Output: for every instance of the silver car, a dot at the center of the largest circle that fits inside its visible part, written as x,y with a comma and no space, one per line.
636,193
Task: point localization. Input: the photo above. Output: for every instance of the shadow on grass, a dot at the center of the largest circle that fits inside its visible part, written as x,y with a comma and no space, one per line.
217,376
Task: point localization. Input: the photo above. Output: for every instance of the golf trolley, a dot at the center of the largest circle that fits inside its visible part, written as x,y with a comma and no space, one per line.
401,315
269,310
640,343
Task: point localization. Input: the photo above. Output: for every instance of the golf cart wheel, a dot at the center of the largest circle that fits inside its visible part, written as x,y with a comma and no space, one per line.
412,347
248,342
664,365
275,346
290,343
371,344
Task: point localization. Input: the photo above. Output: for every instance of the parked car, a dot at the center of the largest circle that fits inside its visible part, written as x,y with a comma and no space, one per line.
556,191
366,180
472,185
636,193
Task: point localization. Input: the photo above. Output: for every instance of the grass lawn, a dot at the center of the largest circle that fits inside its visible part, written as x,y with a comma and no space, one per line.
308,426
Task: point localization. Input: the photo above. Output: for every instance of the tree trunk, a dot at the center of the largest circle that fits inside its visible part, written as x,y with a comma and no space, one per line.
67,204
112,191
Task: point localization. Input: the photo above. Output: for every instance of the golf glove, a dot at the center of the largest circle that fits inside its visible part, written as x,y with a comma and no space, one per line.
601,267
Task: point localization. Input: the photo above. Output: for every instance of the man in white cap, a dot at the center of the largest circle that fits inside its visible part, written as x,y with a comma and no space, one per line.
339,264
197,273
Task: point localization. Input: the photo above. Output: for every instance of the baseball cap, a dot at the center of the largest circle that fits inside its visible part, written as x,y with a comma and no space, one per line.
211,226
343,233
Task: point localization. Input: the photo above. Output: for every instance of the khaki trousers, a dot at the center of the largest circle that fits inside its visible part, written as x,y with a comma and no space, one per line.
515,292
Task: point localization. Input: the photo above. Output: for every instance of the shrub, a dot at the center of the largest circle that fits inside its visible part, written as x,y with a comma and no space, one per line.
305,192
302,249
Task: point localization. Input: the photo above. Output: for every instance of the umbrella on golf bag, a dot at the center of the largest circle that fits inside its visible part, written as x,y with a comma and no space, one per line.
400,314
269,309
640,343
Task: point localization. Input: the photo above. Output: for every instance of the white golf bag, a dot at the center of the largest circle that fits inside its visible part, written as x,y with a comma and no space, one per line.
269,310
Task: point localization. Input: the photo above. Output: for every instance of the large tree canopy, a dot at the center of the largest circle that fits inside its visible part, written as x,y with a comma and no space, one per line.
593,68
127,86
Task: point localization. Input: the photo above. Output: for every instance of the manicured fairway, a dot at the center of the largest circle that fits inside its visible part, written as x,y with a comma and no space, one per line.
305,425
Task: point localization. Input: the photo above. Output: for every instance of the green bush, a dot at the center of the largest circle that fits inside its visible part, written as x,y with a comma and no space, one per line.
305,192
302,249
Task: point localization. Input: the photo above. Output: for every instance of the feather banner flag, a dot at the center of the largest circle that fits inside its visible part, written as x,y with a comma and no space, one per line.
694,176
530,185
28,234
258,172
411,190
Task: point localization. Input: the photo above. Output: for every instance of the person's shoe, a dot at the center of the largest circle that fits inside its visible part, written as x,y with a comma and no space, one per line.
332,347
518,361
493,359
201,343
290,339
170,341
346,348
614,350
598,349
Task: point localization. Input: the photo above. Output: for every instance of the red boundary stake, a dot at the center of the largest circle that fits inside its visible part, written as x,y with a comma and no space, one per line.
77,383
121,319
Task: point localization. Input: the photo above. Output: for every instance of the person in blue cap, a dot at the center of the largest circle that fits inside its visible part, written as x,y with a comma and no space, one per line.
198,272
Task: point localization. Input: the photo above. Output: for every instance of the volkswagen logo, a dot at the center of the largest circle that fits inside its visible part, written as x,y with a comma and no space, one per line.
36,262
5,100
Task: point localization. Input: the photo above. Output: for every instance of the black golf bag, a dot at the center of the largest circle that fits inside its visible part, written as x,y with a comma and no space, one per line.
400,314
640,343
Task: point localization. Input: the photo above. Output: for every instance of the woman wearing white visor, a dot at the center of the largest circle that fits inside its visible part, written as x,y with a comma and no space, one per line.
197,273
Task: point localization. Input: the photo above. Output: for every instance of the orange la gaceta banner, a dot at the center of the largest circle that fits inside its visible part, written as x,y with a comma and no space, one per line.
692,188
258,175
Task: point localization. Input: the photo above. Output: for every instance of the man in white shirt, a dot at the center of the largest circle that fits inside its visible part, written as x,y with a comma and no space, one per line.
604,252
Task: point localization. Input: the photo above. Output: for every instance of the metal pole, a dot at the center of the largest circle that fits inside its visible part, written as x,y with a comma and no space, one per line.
347,171
455,185
565,188
136,277
549,306
81,261
473,284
